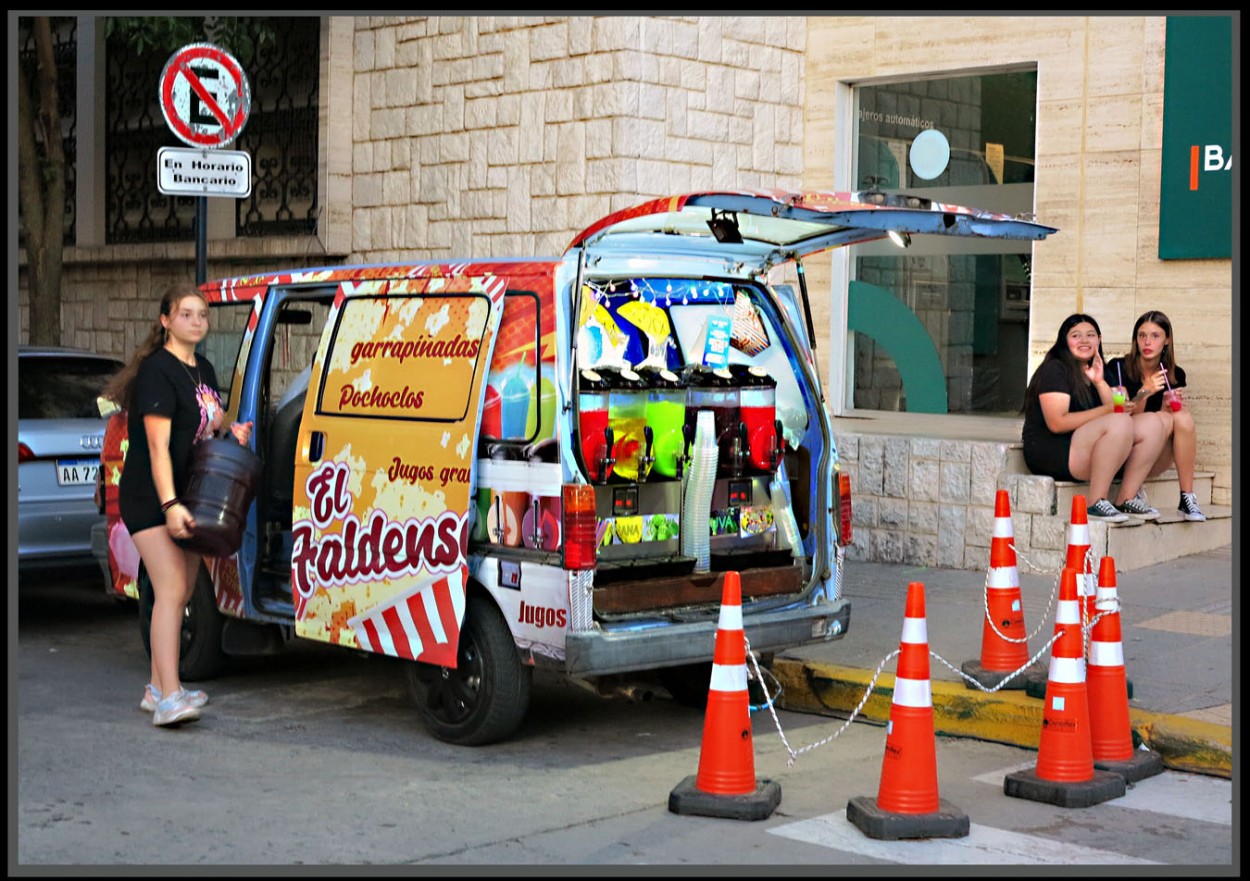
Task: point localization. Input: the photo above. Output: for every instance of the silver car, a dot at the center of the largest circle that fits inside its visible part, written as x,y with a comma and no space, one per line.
59,434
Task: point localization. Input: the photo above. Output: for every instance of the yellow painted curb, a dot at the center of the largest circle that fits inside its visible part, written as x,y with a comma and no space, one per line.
1010,716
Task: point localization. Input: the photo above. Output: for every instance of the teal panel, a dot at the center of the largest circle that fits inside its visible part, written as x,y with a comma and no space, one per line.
1196,181
884,318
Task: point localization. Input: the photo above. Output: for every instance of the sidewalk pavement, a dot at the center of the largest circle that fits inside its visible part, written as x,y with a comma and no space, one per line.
1176,629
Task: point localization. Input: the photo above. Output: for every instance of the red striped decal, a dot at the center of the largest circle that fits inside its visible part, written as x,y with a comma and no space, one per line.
371,633
398,637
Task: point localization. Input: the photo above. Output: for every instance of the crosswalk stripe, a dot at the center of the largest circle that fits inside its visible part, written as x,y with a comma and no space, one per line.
983,845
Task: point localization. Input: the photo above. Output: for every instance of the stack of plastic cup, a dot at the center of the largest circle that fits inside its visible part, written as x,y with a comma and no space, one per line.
783,510
697,504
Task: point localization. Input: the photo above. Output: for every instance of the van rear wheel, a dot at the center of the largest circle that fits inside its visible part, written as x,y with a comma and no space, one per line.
485,697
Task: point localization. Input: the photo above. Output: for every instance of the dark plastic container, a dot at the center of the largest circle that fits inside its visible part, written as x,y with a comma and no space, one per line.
222,479
714,390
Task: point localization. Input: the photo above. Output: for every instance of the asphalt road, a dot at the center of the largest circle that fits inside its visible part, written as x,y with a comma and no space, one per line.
313,759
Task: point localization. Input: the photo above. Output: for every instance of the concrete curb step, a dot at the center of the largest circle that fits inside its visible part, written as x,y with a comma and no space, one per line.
1009,717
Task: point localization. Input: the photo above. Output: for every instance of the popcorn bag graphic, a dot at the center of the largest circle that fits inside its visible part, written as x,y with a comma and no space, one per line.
421,625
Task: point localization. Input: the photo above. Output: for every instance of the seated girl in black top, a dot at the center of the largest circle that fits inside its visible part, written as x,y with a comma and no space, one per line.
1152,378
1071,430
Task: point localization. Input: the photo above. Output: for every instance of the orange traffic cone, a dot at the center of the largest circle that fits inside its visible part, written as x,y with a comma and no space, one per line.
907,803
1004,641
1078,551
1065,773
725,785
1111,731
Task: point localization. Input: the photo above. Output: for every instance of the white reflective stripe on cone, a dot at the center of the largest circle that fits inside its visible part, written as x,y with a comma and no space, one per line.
1003,576
1067,670
1002,527
913,692
1106,654
1068,612
730,618
915,630
1078,534
729,678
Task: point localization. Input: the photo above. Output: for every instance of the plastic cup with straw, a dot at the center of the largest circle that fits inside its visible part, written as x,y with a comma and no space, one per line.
1118,397
1173,401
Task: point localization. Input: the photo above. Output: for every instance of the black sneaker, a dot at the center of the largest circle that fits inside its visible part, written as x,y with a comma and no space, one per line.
1135,507
1105,511
1189,508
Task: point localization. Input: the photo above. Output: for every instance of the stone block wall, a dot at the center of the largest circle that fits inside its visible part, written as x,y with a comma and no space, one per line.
928,502
504,136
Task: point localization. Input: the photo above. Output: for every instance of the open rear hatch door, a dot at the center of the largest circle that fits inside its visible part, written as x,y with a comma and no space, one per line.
762,228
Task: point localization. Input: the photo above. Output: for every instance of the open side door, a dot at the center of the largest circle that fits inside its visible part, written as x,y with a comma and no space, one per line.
385,466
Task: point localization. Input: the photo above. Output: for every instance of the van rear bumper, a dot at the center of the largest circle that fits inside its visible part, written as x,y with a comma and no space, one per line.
600,652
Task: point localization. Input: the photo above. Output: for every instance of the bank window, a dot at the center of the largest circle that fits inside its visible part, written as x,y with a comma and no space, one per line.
960,344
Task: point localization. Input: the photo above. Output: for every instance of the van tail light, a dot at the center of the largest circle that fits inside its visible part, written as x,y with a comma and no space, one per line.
844,508
24,454
580,526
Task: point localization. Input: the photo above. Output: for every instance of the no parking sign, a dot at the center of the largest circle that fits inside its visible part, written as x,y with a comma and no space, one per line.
204,95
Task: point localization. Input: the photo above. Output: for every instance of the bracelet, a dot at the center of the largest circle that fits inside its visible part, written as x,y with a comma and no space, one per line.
167,505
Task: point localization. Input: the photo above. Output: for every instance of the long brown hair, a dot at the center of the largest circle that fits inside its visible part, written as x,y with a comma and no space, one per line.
1132,362
122,385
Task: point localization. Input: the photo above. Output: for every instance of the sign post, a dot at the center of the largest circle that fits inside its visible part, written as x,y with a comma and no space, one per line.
205,98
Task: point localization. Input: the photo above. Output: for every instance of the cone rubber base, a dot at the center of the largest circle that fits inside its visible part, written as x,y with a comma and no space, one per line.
1035,684
1035,680
993,678
1144,763
946,822
686,798
1103,786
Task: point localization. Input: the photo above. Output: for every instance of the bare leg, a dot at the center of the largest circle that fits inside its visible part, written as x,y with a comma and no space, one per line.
167,568
1099,448
1184,448
1149,440
1165,460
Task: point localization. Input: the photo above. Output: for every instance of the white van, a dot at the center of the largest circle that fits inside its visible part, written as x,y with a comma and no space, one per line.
497,465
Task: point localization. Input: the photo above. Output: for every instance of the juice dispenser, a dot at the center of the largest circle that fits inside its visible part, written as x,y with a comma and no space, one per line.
714,390
627,417
594,433
666,414
759,415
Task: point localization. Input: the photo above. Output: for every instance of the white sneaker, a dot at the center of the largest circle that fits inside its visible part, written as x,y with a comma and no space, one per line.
152,697
174,709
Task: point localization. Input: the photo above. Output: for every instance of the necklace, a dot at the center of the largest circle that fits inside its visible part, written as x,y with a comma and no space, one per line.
194,379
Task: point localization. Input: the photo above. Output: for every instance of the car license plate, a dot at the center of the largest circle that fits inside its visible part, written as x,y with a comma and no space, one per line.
76,472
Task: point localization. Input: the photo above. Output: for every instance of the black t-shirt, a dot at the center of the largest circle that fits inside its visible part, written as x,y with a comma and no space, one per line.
1154,403
1052,376
1044,451
165,386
